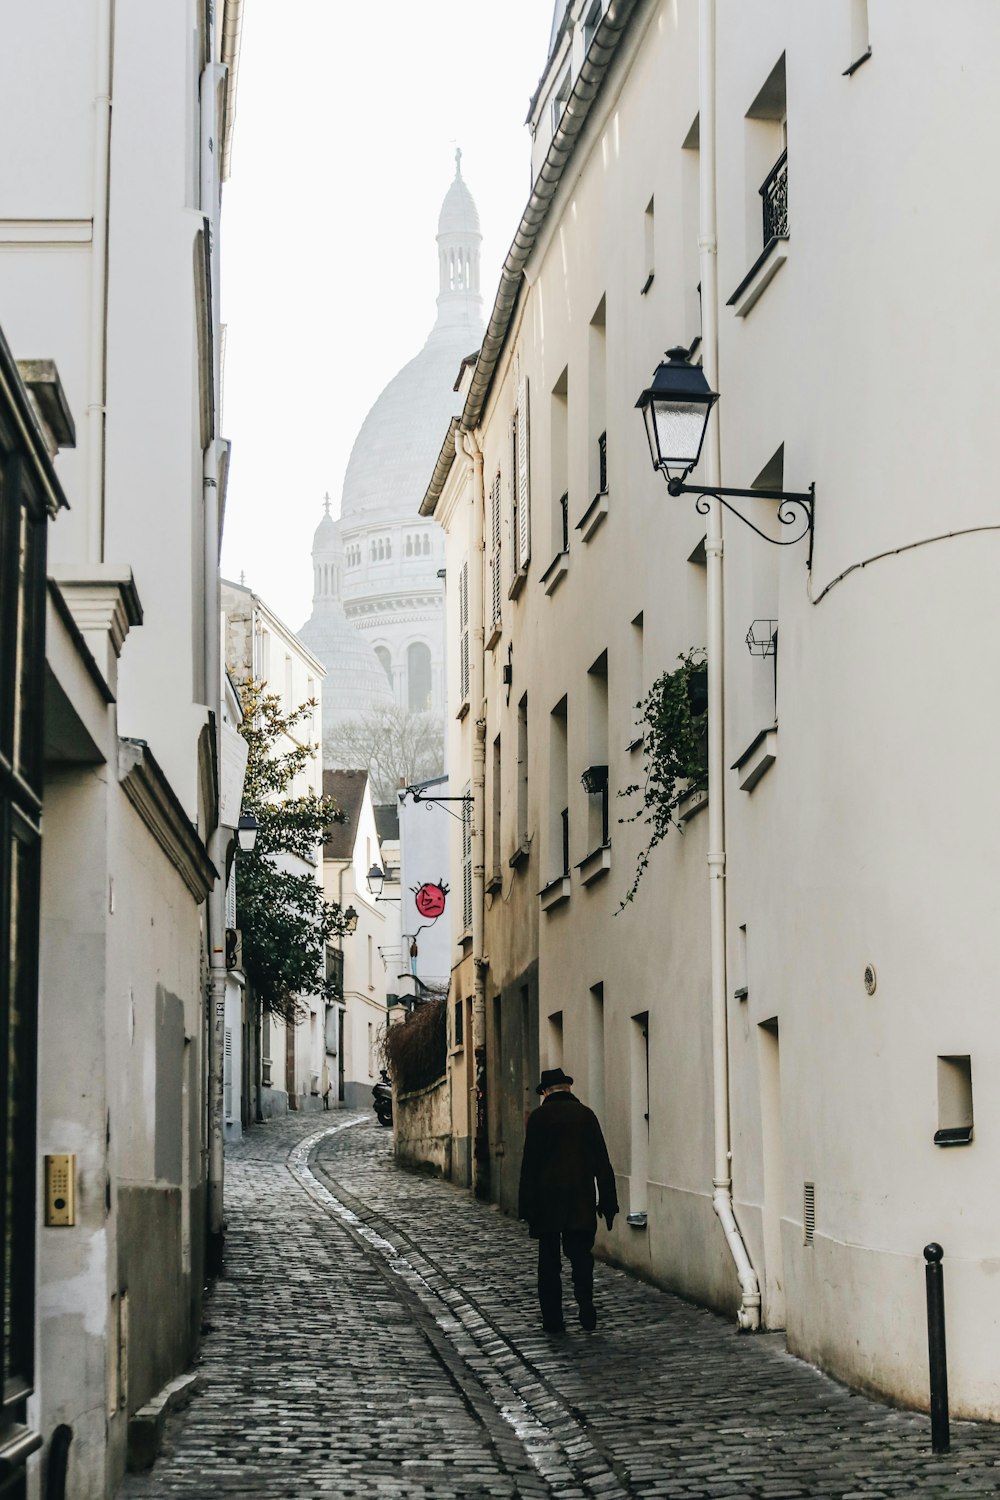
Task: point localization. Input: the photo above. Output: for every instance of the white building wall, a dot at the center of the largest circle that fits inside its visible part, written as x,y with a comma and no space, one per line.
849,851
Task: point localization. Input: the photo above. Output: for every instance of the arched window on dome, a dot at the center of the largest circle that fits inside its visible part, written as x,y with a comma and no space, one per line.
418,677
408,550
386,660
388,546
427,545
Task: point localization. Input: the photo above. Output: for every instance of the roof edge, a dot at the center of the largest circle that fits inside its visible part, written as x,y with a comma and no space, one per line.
445,459
578,107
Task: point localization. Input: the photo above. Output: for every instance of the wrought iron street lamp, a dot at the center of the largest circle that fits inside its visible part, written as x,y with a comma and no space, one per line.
246,832
376,880
350,920
676,407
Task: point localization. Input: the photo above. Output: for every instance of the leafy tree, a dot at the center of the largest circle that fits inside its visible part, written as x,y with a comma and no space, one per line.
673,718
285,920
394,745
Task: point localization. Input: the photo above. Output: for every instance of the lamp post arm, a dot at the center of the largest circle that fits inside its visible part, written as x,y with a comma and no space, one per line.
792,502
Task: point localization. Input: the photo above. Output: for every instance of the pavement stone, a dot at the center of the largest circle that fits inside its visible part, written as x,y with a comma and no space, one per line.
375,1336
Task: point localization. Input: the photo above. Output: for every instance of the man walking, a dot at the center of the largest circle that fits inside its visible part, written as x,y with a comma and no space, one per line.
564,1153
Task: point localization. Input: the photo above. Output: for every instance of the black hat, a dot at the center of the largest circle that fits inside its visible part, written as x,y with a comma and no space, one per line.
551,1079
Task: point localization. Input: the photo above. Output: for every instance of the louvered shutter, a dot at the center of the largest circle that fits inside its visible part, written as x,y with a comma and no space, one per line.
495,550
463,631
523,477
227,1076
467,861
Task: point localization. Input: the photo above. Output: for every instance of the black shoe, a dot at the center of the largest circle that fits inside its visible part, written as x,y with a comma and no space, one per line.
559,1327
588,1317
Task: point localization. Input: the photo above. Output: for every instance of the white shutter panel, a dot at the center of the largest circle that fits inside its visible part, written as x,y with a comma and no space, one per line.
523,477
463,627
495,550
227,1077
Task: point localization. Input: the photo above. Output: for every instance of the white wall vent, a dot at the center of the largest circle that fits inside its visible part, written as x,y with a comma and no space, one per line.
808,1213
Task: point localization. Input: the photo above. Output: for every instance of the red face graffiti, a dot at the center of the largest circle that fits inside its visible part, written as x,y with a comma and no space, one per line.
430,900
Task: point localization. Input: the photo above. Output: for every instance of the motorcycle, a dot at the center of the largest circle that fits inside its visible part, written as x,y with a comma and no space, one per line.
382,1100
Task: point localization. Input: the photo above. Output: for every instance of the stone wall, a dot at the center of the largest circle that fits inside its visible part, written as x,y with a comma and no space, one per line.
422,1125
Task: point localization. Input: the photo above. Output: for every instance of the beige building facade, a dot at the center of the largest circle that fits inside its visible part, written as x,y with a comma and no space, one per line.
840,1096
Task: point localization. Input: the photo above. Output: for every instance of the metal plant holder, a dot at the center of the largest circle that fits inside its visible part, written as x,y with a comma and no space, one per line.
762,638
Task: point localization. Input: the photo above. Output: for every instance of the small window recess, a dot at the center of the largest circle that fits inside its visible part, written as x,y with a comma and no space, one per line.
954,1080
861,47
649,245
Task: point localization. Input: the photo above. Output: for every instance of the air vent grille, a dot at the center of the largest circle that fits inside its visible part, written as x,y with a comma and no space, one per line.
808,1213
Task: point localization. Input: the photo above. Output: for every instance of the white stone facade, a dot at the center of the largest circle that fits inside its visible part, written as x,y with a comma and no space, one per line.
859,938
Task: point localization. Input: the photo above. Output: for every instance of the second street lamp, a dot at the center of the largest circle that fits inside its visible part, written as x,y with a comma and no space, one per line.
676,406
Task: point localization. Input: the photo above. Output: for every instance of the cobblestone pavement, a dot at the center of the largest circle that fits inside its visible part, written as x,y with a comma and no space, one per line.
376,1334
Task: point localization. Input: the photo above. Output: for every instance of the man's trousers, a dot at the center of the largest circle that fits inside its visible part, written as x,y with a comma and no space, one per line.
578,1245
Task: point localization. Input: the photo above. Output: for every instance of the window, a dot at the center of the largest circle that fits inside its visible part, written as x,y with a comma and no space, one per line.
595,1050
522,773
558,857
597,415
522,479
463,633
386,661
467,859
648,246
639,1059
495,809
555,1039
559,450
955,1119
766,154
859,49
371,1050
690,212
636,691
495,561
597,730
419,682
458,1031
591,22
559,98
371,961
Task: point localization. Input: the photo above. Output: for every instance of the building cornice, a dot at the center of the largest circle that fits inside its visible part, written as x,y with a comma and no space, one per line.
159,807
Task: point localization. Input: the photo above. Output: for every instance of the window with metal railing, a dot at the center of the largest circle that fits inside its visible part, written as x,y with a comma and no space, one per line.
564,521
602,462
774,199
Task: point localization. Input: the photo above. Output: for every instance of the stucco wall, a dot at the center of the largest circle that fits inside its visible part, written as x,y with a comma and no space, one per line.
422,1129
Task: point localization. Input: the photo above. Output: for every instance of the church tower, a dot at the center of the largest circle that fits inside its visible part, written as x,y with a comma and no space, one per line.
459,302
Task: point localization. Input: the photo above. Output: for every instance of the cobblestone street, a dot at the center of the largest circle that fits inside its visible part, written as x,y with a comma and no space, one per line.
376,1334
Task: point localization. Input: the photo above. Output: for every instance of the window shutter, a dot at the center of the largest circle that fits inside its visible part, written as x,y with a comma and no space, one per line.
523,477
495,550
463,631
467,861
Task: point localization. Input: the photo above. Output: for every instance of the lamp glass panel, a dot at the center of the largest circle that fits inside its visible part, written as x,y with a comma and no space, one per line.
680,427
647,416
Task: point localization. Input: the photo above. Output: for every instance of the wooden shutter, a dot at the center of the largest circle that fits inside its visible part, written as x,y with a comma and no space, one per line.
495,551
467,861
523,477
463,631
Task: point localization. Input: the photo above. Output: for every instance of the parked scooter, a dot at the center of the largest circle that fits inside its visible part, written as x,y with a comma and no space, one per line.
382,1100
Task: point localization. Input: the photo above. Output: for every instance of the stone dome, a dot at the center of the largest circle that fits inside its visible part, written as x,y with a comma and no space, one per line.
395,451
355,680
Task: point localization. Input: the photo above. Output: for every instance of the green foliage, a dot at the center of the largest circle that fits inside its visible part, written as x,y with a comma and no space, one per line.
673,718
285,920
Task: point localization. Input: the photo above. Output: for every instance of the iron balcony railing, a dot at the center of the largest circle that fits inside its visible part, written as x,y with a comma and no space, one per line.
774,197
602,462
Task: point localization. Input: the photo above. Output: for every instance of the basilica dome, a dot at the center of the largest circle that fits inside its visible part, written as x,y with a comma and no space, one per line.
395,451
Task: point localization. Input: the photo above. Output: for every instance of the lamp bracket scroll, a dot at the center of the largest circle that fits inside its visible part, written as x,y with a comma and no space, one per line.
796,508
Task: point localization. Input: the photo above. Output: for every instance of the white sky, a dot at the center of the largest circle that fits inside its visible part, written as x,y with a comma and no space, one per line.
347,117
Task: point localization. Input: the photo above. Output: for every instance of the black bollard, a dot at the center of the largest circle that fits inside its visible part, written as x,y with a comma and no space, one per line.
936,1350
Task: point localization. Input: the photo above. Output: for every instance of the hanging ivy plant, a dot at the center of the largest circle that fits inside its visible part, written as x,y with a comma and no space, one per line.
673,719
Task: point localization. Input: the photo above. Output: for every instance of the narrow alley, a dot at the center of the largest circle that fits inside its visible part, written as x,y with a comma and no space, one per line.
375,1334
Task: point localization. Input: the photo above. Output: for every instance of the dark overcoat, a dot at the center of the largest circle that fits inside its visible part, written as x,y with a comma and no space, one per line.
564,1154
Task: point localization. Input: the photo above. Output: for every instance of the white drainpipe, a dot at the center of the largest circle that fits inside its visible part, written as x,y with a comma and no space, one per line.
96,378
722,1197
477,678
